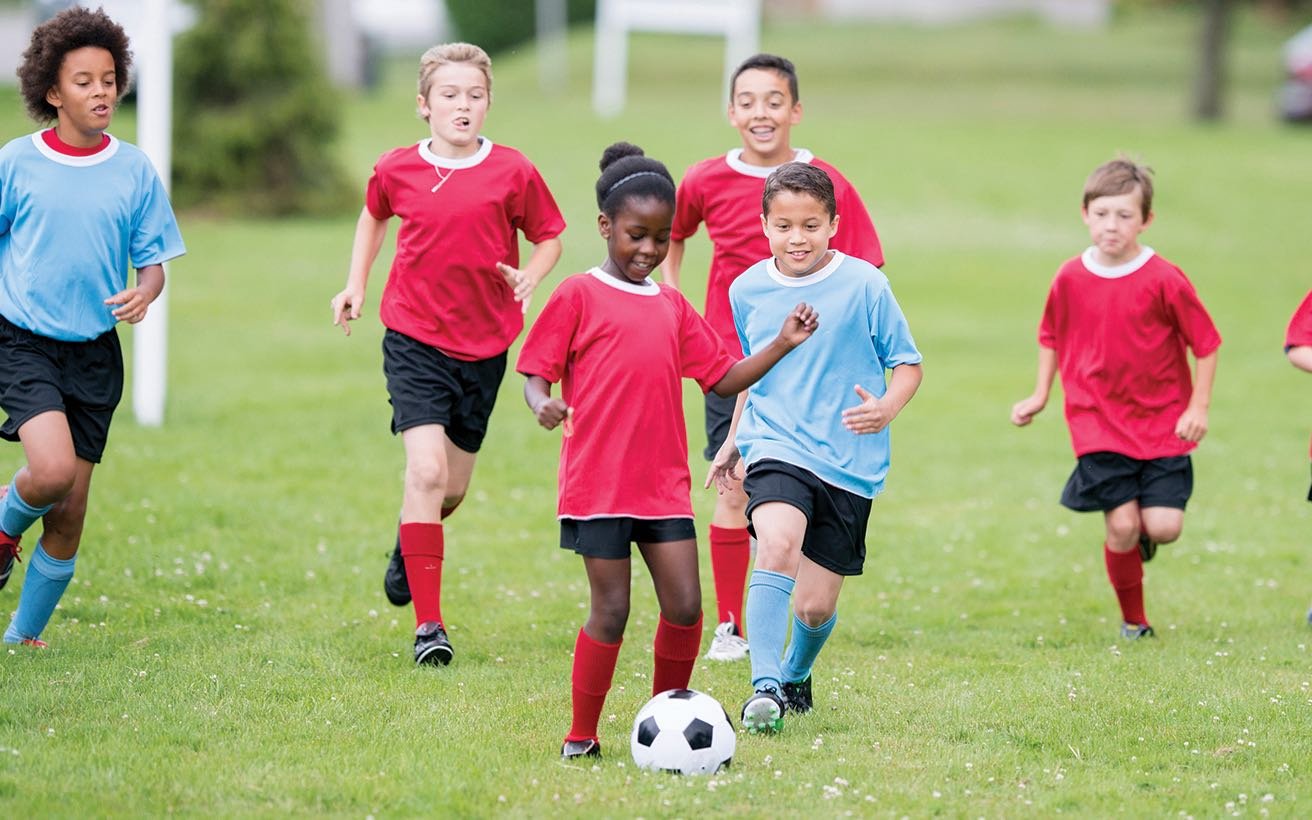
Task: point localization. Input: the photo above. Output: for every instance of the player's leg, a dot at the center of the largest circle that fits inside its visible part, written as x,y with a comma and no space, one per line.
51,565
815,613
422,538
1125,567
730,543
1165,487
674,574
596,649
48,476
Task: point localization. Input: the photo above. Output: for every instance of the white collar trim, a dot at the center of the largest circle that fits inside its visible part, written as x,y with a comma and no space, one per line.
455,163
1117,271
812,278
76,162
735,160
647,288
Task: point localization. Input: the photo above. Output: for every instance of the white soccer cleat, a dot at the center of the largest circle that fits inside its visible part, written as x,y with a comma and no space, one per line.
727,645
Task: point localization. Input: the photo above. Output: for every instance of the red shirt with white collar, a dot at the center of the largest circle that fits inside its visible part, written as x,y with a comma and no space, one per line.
459,217
1120,335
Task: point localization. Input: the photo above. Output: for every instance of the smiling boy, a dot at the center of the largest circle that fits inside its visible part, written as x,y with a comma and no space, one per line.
1116,324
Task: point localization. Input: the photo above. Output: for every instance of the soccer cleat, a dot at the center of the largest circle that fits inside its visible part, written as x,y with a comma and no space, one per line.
35,643
764,711
9,551
1147,547
798,695
727,645
1133,632
395,584
431,645
588,747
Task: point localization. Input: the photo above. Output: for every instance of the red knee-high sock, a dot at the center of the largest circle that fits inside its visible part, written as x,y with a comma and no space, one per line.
594,668
675,650
731,552
1125,571
422,549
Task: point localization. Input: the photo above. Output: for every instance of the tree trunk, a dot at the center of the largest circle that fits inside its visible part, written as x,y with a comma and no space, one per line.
1209,85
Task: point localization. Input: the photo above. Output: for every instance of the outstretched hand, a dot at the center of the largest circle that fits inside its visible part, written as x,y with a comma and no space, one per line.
132,305
346,308
726,469
520,282
801,322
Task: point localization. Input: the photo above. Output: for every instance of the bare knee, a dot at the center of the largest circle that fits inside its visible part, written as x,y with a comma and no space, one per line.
1122,529
1164,526
427,476
686,609
812,612
609,616
49,479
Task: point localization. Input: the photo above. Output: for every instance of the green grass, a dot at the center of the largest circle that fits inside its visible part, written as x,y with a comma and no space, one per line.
226,648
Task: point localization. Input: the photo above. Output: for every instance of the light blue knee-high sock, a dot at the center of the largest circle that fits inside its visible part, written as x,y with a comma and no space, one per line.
43,586
767,623
805,646
16,515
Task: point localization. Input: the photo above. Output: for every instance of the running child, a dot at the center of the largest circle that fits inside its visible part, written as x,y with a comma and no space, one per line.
453,303
1116,324
723,192
77,206
620,344
815,460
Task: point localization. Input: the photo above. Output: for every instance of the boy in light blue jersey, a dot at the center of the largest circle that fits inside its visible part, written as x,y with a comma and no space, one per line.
814,463
77,207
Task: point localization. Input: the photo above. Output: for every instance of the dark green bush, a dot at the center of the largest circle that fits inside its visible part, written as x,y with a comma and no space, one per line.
499,25
253,122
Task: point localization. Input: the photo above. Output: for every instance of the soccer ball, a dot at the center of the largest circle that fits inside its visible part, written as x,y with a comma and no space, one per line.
683,731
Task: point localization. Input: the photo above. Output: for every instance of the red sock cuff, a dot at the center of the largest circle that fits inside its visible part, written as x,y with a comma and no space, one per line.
422,539
679,643
1124,569
730,537
594,664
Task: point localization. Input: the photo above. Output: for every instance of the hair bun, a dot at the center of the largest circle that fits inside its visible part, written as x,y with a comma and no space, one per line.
619,151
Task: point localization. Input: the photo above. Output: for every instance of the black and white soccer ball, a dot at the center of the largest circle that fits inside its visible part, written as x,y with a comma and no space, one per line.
683,731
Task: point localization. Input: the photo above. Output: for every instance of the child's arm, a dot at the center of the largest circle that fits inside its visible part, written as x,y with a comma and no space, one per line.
134,302
549,411
540,262
798,327
724,469
673,262
874,414
1301,357
1192,425
369,235
1024,411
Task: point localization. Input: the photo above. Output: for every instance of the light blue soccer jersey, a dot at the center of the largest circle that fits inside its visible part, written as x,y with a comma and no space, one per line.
69,227
795,413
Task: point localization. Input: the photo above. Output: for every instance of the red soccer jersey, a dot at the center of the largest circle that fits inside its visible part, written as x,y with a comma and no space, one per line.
1299,333
1120,335
621,351
725,193
458,219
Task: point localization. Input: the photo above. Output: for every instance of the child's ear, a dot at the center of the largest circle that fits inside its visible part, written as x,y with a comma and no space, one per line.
795,116
1151,216
603,225
422,104
833,226
765,226
52,97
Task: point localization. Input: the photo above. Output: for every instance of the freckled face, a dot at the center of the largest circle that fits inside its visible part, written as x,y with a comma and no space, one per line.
637,239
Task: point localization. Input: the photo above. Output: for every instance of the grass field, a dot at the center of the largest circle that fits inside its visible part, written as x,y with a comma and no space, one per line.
226,648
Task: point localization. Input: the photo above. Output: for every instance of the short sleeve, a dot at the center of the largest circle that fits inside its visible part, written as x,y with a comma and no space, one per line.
537,215
1299,333
688,208
1190,317
856,234
889,329
702,354
155,236
547,347
375,197
1050,324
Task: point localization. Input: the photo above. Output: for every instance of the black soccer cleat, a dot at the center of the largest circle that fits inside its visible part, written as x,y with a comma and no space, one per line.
589,747
1147,547
431,645
798,696
395,584
764,711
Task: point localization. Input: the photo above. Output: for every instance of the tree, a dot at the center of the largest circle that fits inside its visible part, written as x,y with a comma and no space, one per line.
254,125
1209,83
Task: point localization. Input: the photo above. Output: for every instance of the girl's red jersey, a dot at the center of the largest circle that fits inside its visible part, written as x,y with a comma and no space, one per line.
620,352
459,217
